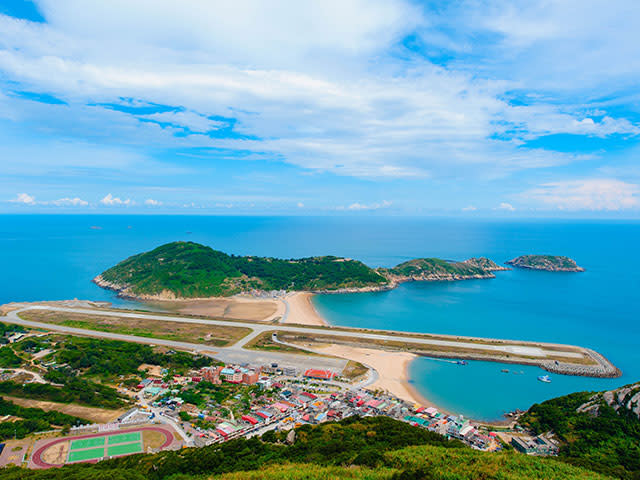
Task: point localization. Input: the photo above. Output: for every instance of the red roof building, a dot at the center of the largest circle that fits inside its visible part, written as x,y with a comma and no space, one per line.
319,374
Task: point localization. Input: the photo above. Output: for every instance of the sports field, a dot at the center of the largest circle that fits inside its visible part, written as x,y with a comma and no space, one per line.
88,454
124,438
95,448
83,443
124,449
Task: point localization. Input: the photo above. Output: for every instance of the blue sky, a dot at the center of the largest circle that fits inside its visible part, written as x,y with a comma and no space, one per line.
394,107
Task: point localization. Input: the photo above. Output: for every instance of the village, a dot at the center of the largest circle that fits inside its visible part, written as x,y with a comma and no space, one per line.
269,398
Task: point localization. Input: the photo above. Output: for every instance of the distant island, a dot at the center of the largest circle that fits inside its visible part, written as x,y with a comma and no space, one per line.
182,270
550,263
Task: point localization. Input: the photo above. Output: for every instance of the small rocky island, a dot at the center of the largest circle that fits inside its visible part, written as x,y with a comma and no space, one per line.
181,270
550,263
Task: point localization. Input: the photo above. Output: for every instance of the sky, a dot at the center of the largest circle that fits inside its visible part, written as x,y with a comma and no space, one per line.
340,107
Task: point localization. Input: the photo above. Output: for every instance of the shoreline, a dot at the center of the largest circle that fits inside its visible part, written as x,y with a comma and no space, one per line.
300,310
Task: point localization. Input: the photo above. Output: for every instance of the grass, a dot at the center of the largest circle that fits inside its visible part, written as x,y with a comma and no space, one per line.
83,443
124,449
124,438
83,455
354,370
207,334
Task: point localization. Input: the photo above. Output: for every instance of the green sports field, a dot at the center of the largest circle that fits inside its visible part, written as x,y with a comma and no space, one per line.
89,454
96,448
87,443
124,449
124,438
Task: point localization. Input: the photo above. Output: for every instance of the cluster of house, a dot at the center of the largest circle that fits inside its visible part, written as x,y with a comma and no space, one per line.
294,405
540,445
453,426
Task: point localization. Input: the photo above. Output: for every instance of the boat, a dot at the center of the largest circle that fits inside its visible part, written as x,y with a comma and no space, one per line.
505,370
544,378
461,362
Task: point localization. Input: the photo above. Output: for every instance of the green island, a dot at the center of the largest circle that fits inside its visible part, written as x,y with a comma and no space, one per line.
550,263
191,270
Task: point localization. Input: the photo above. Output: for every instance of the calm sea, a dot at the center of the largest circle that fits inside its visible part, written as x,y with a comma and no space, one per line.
54,257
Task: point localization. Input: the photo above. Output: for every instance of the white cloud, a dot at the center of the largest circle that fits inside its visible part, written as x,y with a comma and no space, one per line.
153,203
300,205
506,206
302,69
110,200
357,206
24,198
589,194
75,202
191,120
469,208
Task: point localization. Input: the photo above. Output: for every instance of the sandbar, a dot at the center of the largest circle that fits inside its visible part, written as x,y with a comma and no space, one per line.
302,311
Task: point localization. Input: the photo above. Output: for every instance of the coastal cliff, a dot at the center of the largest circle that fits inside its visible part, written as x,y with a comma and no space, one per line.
187,270
549,263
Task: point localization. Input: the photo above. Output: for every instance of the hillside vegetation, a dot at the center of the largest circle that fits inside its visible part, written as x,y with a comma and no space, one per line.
190,270
593,433
372,448
551,263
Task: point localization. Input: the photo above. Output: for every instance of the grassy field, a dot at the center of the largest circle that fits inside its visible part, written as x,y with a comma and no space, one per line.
354,370
214,335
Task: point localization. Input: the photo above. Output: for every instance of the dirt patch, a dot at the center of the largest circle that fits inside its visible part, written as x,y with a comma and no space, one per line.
237,308
98,415
214,335
56,454
152,439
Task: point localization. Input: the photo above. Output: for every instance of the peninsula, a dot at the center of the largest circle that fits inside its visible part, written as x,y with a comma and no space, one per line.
550,263
187,270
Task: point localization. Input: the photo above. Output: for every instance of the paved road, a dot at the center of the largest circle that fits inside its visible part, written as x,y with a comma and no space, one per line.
233,354
502,348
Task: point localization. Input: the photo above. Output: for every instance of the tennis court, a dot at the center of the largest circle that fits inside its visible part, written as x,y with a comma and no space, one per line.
89,454
124,438
86,443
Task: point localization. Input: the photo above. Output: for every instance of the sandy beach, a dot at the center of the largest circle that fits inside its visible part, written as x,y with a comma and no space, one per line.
392,368
302,311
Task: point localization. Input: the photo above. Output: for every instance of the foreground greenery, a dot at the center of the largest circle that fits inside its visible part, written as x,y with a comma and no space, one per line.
190,270
107,358
356,448
608,442
32,420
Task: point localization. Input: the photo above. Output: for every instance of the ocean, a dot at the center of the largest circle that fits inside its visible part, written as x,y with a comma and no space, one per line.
54,257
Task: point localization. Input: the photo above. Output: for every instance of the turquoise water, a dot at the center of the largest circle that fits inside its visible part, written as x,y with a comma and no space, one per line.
54,257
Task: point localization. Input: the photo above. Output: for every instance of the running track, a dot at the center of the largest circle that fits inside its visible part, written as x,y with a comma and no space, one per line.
37,456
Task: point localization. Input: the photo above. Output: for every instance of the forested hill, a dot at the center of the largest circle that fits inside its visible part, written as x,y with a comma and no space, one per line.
598,431
191,270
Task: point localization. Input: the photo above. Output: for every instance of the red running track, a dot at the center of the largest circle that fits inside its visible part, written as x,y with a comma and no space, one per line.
37,455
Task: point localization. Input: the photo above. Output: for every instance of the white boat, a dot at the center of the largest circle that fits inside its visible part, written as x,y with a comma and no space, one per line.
544,378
